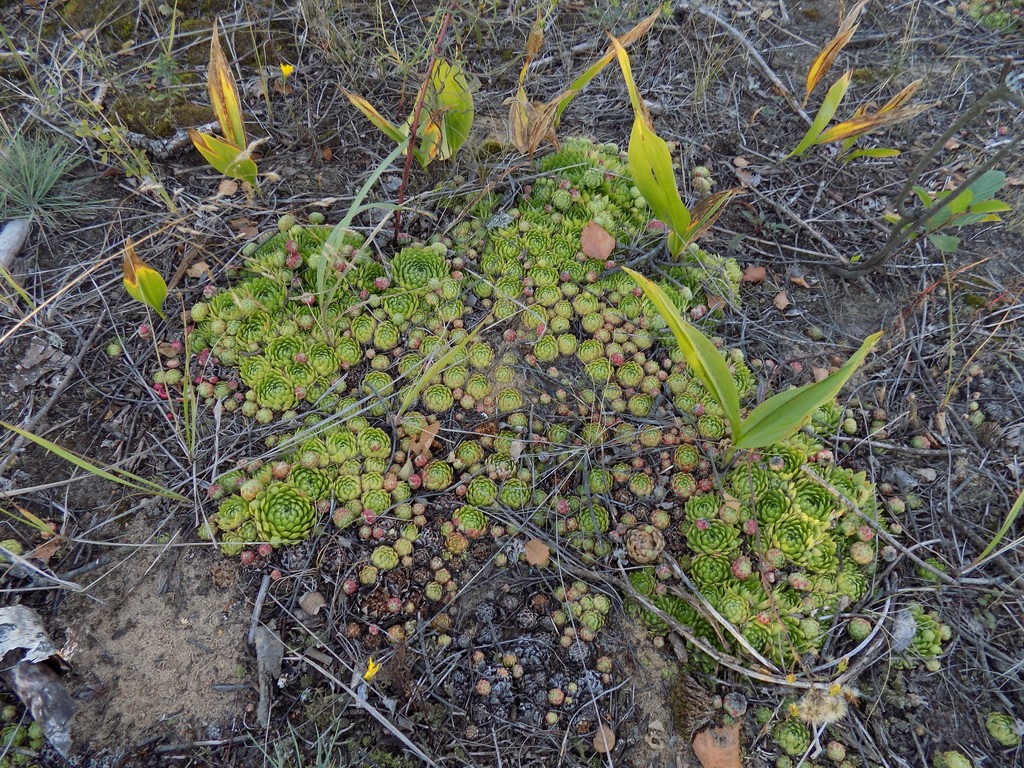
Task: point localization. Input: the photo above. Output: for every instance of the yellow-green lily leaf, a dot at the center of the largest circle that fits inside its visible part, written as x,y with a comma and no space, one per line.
224,95
704,359
382,124
455,101
826,112
142,282
782,415
225,157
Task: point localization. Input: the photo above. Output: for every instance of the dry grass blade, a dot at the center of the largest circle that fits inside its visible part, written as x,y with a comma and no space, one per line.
826,57
902,97
706,213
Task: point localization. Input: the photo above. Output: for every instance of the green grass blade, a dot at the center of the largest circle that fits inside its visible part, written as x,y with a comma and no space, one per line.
1003,530
701,355
438,367
125,478
826,112
780,416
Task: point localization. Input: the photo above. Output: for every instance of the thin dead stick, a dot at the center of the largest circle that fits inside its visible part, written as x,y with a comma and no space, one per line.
69,375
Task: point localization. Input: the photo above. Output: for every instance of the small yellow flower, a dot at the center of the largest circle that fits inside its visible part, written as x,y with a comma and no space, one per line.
372,668
286,69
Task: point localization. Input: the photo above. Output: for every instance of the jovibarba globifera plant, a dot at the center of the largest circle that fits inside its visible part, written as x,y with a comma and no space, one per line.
360,356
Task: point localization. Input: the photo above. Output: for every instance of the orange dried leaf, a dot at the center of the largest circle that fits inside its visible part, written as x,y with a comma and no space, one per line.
754,274
799,280
719,747
537,552
420,445
596,242
858,126
604,739
826,57
902,97
781,301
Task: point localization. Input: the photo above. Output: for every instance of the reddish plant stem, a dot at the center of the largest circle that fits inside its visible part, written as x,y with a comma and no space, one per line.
445,23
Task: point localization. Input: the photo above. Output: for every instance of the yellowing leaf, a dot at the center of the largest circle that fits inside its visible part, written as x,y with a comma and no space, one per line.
224,95
706,213
142,282
827,56
828,108
380,122
902,97
453,99
704,359
225,157
783,414
858,126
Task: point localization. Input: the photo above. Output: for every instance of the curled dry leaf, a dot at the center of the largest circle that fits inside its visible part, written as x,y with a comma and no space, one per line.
312,603
754,274
199,269
227,187
537,552
719,747
595,241
799,280
781,301
604,739
420,445
820,374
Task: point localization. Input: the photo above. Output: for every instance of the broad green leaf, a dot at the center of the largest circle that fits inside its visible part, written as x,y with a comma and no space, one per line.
780,416
225,157
438,367
987,185
960,203
945,243
826,111
990,206
143,283
879,152
224,95
455,101
704,359
123,477
1003,529
922,195
650,159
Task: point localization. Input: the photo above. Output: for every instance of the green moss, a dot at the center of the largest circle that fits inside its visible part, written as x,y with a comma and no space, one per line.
159,118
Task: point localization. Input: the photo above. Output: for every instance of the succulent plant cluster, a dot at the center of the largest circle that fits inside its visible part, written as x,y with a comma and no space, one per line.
18,741
1004,15
564,401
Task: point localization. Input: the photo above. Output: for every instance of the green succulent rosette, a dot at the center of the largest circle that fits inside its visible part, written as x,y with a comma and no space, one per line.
594,519
796,536
384,558
813,499
374,442
377,500
322,359
349,351
283,350
514,493
341,446
415,268
315,483
275,391
793,737
283,514
771,506
702,507
470,520
712,537
437,398
481,491
437,475
711,570
232,512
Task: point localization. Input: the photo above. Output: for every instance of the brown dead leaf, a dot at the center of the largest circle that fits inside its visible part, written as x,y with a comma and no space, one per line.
952,145
820,374
245,228
47,549
327,153
719,747
199,269
596,242
312,603
747,179
604,739
754,274
799,280
781,301
227,187
730,502
537,552
740,162
715,302
420,445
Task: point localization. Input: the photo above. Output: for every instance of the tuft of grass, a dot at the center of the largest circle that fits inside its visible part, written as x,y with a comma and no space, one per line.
31,173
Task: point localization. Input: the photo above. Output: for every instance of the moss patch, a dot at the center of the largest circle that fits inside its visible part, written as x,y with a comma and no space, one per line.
159,118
